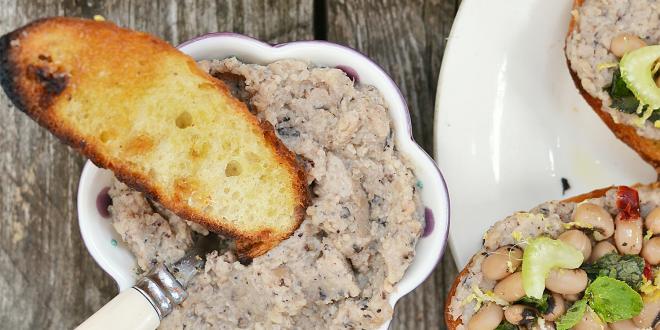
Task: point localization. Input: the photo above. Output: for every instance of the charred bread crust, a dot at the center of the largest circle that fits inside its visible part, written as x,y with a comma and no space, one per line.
34,88
451,323
646,148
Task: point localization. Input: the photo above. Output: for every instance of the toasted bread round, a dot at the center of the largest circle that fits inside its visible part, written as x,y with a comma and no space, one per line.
647,148
136,105
455,322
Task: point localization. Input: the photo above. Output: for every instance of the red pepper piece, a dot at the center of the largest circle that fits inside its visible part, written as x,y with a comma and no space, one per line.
627,201
648,273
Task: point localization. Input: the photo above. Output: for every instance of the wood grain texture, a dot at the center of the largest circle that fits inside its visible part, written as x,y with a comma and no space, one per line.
47,278
406,38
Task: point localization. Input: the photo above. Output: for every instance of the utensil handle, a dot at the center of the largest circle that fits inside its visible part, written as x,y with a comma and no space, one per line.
129,310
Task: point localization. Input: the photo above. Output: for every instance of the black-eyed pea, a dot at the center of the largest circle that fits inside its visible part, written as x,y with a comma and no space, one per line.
510,288
649,314
590,321
623,325
628,235
594,217
520,314
488,317
625,43
600,249
566,281
652,221
556,307
501,263
542,326
578,240
651,251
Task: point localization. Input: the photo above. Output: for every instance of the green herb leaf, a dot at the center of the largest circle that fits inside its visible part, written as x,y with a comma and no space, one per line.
506,326
628,104
627,268
540,304
573,315
623,98
613,300
618,88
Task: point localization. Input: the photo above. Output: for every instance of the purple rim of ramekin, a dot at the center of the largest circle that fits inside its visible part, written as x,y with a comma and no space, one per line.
389,80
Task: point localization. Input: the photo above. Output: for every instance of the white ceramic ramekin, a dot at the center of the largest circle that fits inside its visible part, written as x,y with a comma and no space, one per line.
105,245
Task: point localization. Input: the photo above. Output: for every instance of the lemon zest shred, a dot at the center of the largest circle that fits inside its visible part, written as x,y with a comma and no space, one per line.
517,236
469,299
647,114
99,18
651,290
649,234
656,67
657,124
509,266
606,65
577,224
647,287
480,297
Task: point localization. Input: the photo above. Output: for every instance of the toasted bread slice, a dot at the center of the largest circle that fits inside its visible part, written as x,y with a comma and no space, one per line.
137,106
472,267
648,149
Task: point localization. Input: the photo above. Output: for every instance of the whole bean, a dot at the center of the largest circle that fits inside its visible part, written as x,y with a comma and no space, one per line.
600,249
487,318
653,219
651,251
496,265
590,321
544,326
566,281
520,314
623,325
510,288
556,307
578,240
628,235
649,313
624,43
597,218
571,297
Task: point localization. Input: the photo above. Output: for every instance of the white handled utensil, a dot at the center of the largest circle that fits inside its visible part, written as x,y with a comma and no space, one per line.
143,306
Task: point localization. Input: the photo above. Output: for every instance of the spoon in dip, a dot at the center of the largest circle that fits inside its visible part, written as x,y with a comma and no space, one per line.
154,296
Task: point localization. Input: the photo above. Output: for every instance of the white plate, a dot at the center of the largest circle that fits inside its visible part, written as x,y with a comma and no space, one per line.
510,122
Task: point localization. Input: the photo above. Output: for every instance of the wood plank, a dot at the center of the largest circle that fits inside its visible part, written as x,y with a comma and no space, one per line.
47,278
407,38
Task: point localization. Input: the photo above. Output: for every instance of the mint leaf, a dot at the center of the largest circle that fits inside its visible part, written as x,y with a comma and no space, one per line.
506,326
623,98
618,88
613,300
573,315
540,304
628,268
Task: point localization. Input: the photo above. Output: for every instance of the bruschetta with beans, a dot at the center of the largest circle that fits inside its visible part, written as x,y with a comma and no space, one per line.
613,55
589,262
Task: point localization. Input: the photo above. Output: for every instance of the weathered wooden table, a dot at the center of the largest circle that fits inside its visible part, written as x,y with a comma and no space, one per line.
47,278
